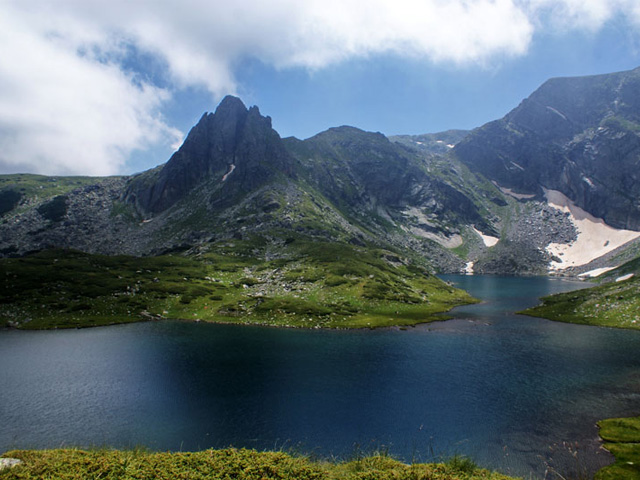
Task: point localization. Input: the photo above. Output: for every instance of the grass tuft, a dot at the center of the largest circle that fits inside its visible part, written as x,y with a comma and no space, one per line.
230,463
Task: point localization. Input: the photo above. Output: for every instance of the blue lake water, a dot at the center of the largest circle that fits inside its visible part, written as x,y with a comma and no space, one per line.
514,393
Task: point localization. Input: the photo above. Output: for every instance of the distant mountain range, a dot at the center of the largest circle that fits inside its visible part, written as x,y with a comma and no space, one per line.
508,197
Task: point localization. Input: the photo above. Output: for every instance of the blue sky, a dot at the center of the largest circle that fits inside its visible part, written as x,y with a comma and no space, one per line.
100,88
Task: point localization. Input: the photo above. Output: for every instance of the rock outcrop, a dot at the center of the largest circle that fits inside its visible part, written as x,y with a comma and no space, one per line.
236,150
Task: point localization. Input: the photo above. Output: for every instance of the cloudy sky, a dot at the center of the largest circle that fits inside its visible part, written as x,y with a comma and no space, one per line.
99,87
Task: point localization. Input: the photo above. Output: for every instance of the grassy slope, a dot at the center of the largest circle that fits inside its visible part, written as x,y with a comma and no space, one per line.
45,186
610,305
622,439
226,464
298,282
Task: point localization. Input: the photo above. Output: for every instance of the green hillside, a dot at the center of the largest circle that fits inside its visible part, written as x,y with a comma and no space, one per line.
296,282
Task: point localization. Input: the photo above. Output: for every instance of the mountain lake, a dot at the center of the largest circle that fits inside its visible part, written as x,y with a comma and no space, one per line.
517,394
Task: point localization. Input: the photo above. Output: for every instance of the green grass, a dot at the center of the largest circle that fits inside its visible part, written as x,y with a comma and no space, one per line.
615,304
297,283
230,463
622,438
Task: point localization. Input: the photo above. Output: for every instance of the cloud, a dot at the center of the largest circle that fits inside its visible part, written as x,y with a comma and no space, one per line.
65,111
584,14
73,98
201,40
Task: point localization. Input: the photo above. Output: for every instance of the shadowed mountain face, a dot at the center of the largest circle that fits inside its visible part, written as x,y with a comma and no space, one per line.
580,136
235,149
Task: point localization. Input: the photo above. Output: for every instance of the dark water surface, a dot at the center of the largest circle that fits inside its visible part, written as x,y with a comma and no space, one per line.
513,392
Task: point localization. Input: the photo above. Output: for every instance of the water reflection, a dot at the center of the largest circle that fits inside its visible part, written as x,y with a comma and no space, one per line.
507,390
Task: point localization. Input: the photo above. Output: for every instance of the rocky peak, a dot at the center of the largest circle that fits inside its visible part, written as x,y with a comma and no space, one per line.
564,107
235,149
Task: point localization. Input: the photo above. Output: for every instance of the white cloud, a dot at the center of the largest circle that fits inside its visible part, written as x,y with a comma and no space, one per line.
62,112
454,31
68,106
589,14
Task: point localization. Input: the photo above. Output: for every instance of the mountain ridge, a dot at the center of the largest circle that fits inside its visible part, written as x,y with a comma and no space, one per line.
234,177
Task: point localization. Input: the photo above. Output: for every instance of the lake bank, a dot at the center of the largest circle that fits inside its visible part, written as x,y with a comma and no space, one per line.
228,463
614,305
508,391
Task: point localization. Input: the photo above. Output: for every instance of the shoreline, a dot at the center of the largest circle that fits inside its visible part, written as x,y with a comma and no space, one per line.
241,464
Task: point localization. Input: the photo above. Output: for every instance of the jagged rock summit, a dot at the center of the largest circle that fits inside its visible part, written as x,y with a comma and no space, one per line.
233,150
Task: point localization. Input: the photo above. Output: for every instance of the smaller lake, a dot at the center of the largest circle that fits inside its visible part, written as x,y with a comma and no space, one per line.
514,393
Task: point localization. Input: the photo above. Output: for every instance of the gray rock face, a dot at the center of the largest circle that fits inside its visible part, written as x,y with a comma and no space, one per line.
580,136
365,171
234,147
522,249
83,219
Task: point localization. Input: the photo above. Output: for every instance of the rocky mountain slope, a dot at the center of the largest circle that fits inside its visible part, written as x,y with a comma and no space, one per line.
520,195
234,177
438,143
238,227
578,136
234,151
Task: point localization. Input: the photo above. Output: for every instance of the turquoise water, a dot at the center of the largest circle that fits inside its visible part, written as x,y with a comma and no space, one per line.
514,393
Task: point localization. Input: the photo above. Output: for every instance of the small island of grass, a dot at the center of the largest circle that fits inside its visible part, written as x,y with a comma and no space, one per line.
622,438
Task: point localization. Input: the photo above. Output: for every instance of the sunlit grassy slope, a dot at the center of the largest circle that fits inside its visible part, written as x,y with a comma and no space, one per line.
295,282
226,464
612,304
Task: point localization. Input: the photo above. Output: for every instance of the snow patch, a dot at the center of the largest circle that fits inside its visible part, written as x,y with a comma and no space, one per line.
625,277
588,181
596,272
450,145
595,238
232,167
468,268
516,165
557,112
488,240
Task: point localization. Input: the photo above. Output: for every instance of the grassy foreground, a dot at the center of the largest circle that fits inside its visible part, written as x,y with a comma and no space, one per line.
292,283
224,465
622,439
